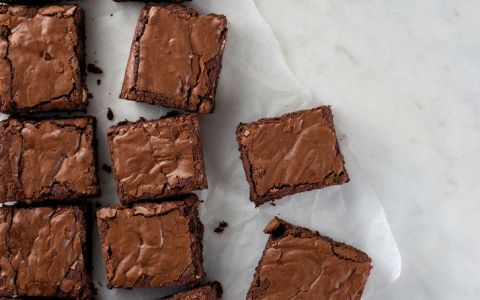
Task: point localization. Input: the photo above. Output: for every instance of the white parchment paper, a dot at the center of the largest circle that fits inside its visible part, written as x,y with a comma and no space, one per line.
255,83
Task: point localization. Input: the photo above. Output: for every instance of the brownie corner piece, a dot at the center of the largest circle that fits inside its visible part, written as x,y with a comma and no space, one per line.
297,261
152,244
42,61
176,58
158,158
48,159
289,154
45,252
209,291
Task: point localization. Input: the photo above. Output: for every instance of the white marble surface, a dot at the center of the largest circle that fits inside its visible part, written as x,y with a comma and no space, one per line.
403,78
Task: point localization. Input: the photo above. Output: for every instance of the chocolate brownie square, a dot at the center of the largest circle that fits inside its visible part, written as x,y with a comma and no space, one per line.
46,160
42,57
158,158
293,153
152,244
301,264
44,252
176,58
210,291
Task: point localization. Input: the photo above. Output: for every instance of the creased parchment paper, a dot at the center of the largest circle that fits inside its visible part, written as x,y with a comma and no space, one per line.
255,83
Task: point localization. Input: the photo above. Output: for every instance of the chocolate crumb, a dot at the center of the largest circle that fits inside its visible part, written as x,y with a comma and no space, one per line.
221,227
272,203
111,15
109,114
94,69
89,95
99,81
107,168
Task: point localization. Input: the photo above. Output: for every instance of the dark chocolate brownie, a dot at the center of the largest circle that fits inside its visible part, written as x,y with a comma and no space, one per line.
51,159
152,244
176,58
210,291
44,252
42,58
293,153
158,158
301,264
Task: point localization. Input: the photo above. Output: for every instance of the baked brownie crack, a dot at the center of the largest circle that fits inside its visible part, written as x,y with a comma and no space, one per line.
293,153
300,264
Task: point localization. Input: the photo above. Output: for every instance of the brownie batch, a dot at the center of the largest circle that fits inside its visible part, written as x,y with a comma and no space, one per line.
154,239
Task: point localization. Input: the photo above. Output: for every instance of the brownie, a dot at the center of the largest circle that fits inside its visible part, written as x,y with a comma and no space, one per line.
301,264
46,160
158,158
293,153
44,252
42,58
175,58
210,291
152,244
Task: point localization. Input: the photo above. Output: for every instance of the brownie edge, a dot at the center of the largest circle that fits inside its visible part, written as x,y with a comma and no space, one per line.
210,291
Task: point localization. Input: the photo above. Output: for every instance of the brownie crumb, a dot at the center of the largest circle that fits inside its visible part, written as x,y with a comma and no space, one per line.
89,95
94,69
107,168
111,15
109,114
99,81
221,227
272,203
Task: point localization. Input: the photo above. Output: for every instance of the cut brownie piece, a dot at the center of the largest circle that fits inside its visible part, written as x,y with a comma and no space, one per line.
158,158
301,264
44,252
52,159
152,244
211,291
42,61
176,58
293,153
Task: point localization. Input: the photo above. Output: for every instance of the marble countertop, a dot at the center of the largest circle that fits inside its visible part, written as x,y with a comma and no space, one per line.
403,78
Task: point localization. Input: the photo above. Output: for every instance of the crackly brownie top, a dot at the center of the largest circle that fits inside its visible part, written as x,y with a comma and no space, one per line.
38,62
149,243
176,44
48,159
301,264
297,148
41,250
154,157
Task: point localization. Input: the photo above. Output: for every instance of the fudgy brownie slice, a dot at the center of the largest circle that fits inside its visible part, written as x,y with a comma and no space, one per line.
300,264
152,244
175,58
210,291
42,58
51,159
158,158
293,153
44,252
